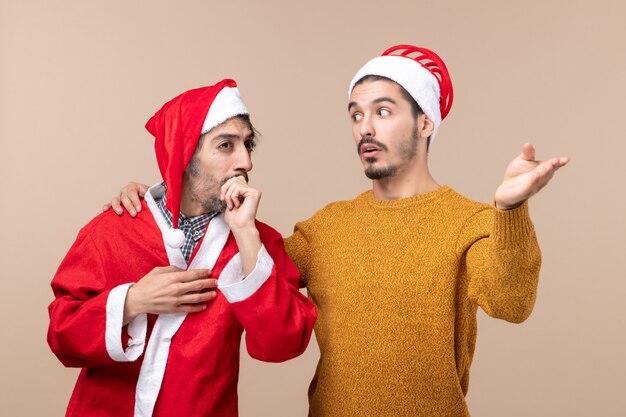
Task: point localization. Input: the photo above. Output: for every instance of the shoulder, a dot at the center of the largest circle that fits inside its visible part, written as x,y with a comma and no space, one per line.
474,219
464,207
108,224
337,209
102,221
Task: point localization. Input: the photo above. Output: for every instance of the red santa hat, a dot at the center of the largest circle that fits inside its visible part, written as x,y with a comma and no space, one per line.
177,127
421,72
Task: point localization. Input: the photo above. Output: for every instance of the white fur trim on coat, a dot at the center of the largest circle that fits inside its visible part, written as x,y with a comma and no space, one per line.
232,283
166,325
114,322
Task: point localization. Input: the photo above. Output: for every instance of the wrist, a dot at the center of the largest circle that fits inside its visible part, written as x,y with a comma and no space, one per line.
130,306
249,244
245,231
503,206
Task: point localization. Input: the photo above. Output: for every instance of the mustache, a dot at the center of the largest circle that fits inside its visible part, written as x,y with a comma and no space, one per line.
371,140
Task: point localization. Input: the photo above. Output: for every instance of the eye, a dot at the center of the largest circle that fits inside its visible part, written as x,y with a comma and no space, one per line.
225,145
356,117
384,112
250,145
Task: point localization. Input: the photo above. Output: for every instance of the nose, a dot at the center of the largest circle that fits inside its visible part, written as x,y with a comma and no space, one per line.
366,127
243,161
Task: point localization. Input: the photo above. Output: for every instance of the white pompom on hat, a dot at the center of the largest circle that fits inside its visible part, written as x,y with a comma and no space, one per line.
177,127
421,72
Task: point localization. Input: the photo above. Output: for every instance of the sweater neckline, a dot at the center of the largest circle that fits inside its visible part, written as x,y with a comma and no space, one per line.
369,198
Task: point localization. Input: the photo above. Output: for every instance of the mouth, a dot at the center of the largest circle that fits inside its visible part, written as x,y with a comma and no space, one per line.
369,150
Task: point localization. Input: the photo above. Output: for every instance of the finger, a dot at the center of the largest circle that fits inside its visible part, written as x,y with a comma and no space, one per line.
197,286
143,189
229,197
234,194
197,298
223,192
543,175
134,191
242,191
190,308
115,204
225,188
135,200
192,275
528,152
242,178
128,205
548,167
560,162
106,207
167,269
227,185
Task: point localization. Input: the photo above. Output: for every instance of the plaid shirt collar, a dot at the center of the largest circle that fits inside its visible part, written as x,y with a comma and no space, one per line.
193,227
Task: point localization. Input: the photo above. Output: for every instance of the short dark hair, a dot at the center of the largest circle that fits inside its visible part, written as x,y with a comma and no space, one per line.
415,108
243,117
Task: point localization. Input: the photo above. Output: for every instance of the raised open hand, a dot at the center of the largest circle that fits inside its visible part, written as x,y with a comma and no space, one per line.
524,177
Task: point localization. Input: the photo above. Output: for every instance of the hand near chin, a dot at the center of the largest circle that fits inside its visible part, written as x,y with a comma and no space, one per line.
525,177
242,202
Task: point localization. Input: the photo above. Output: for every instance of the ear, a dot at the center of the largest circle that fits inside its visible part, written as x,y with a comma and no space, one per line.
425,126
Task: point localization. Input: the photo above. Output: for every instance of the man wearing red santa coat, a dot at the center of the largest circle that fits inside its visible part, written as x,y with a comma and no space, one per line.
154,313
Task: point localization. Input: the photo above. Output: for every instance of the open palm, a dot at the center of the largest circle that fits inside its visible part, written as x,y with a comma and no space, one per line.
524,177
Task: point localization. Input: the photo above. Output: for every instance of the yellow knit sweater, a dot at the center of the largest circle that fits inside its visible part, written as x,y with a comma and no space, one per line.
396,285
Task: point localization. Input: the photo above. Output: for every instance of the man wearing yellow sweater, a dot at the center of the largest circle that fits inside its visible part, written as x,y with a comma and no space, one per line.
397,274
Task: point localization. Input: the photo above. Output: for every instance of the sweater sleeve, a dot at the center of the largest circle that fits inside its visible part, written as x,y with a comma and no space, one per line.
502,262
86,315
298,249
277,317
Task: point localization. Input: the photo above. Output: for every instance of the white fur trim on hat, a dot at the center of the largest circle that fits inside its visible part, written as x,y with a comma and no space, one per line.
227,104
420,83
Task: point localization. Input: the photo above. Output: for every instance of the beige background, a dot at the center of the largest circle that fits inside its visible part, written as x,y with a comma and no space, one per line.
79,79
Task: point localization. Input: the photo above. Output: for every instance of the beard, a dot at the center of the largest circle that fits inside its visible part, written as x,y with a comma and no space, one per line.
211,204
406,150
378,173
204,189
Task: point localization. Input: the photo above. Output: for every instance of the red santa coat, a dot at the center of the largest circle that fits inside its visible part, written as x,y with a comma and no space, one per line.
170,364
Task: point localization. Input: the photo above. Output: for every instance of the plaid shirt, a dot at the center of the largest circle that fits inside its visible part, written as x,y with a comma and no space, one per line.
193,227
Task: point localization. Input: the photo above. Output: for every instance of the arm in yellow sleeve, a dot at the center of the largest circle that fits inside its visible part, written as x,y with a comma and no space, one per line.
502,261
298,248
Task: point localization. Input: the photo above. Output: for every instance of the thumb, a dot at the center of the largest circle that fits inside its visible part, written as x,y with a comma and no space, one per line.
528,152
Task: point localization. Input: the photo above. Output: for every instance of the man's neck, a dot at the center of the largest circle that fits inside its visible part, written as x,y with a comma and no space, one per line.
192,210
413,180
190,207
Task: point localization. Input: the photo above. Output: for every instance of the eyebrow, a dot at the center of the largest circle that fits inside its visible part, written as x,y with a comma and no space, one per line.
376,101
382,99
233,136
